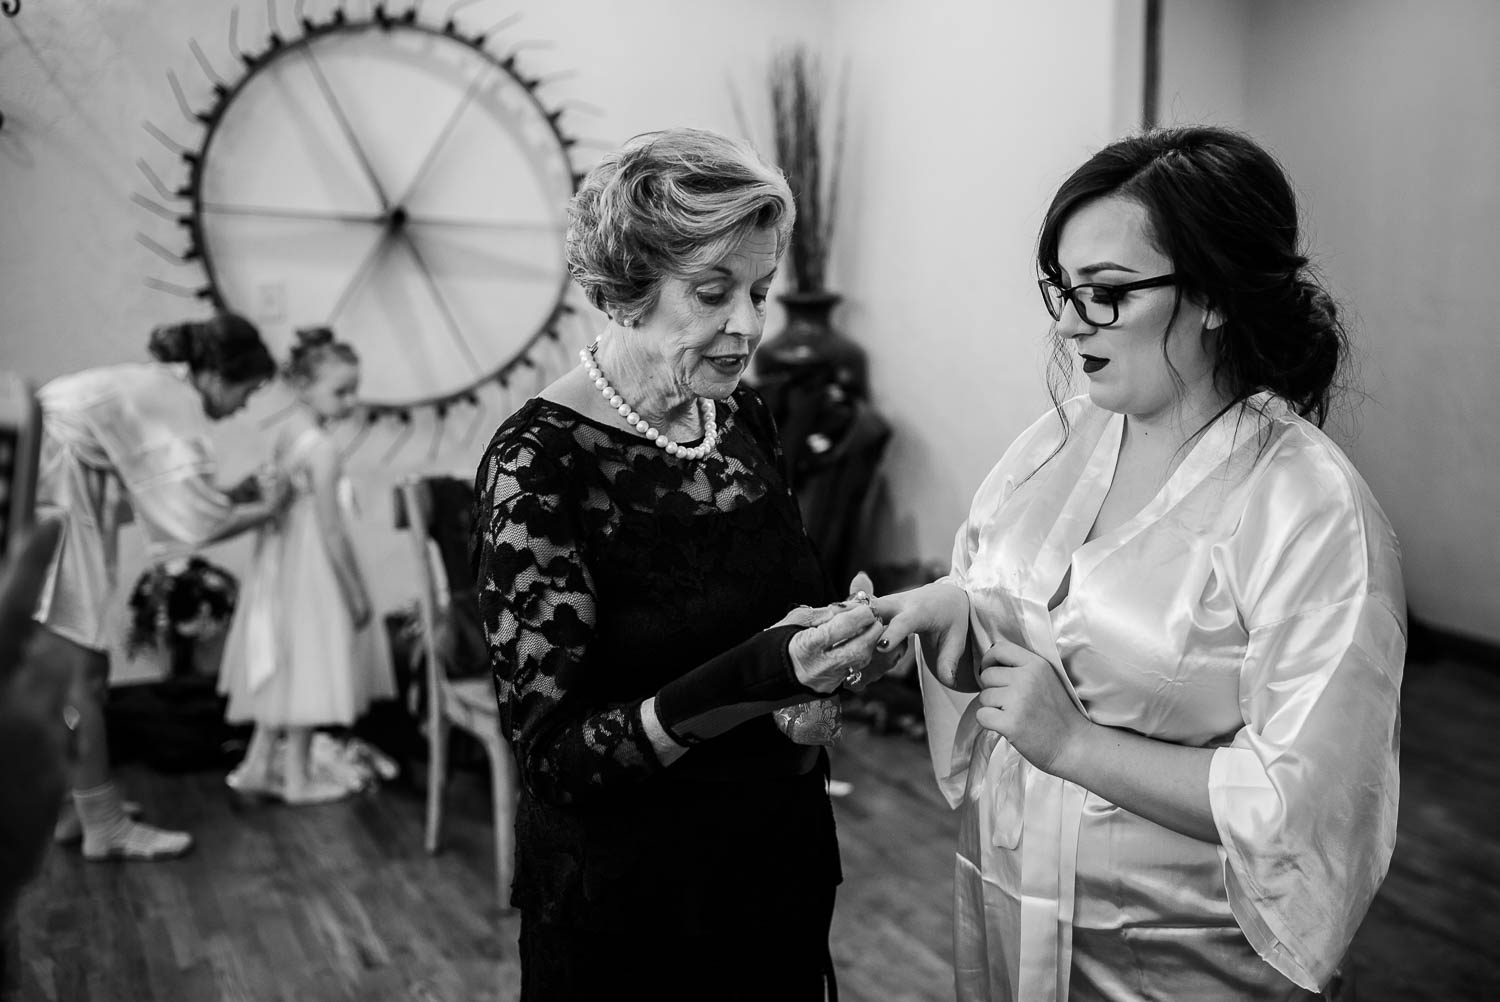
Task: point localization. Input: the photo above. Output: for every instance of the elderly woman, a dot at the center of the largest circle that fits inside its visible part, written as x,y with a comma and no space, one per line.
639,551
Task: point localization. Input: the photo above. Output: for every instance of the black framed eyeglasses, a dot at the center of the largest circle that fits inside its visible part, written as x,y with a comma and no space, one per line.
1098,305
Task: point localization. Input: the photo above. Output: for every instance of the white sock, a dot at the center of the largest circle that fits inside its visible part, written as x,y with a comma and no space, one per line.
108,832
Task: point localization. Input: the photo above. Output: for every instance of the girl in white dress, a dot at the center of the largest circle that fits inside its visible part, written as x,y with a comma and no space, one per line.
301,652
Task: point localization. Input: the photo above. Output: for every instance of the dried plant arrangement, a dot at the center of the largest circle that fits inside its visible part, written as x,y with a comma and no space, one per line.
808,121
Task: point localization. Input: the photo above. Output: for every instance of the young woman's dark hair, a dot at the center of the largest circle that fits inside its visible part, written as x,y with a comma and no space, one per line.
314,346
1221,208
226,344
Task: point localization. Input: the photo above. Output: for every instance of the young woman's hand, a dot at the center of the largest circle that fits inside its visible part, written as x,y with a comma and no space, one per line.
938,614
275,490
1022,699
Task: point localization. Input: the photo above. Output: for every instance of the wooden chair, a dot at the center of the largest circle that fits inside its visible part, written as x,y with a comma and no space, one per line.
466,703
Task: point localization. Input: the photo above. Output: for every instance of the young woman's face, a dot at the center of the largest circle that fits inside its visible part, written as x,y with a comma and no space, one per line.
333,390
706,326
1107,242
222,398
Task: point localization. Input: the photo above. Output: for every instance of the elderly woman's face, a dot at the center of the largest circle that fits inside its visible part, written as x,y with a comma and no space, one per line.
707,325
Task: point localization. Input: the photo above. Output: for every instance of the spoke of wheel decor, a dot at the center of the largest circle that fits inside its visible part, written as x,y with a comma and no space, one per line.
160,210
437,295
181,291
372,256
427,160
272,212
358,438
171,257
401,436
484,224
439,425
474,424
348,129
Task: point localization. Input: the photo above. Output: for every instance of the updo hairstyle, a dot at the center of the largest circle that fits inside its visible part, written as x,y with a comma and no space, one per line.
1221,208
314,347
226,345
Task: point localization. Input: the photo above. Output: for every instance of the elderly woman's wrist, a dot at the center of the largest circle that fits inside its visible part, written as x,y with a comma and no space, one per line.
668,746
754,677
814,684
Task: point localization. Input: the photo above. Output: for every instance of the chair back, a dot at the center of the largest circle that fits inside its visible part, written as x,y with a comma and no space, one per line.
414,511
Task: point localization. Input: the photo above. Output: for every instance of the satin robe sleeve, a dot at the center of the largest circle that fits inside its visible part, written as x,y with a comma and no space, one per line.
159,447
1305,796
951,725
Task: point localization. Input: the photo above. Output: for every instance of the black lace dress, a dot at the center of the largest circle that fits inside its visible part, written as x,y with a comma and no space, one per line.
607,569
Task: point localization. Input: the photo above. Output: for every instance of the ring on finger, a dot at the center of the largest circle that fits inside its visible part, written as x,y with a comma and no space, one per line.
852,679
861,596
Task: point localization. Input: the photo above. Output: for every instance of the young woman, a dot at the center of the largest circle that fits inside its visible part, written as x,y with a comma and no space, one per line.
1181,610
135,435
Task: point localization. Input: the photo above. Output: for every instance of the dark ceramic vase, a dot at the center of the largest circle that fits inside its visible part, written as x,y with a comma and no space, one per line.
810,340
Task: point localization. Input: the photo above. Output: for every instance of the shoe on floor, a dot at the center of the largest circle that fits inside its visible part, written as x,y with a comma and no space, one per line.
250,785
136,841
316,790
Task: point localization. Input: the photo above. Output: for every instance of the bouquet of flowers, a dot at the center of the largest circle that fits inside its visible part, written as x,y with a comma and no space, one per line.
178,603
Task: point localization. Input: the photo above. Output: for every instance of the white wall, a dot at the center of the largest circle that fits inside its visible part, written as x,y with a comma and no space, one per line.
966,116
78,77
1385,113
1203,71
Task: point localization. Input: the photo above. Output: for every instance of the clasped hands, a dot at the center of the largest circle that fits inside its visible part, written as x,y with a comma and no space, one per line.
1021,696
840,643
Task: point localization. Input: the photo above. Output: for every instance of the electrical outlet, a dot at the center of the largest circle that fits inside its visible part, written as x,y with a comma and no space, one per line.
270,301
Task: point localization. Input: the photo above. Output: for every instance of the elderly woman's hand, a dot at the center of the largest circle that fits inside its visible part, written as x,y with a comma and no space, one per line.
810,615
825,656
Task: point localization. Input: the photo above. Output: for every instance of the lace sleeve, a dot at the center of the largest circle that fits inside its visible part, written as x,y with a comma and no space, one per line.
536,601
757,417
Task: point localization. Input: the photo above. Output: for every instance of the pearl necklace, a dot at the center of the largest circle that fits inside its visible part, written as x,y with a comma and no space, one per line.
710,428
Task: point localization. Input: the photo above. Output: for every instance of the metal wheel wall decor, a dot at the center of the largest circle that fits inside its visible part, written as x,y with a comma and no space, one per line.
390,175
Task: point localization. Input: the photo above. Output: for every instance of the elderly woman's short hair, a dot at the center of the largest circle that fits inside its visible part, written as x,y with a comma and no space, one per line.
669,204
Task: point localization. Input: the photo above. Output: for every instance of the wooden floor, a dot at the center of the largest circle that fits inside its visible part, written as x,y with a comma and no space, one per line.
339,902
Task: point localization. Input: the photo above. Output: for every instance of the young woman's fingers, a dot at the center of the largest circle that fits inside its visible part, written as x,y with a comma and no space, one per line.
1003,652
887,607
861,583
995,677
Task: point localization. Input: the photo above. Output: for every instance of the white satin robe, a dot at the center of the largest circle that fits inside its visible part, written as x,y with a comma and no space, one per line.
117,435
1255,606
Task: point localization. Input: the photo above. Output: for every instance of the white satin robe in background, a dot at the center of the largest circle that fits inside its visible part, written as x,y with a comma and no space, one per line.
117,434
1254,606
